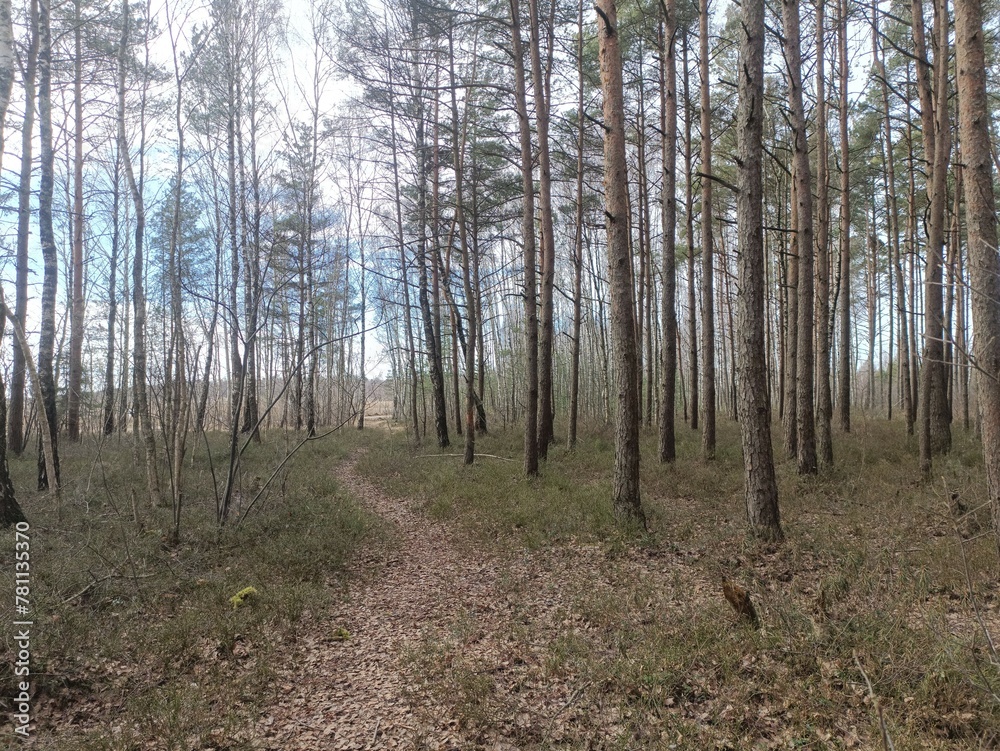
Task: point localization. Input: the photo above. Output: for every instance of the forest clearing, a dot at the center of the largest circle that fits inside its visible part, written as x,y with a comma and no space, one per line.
406,601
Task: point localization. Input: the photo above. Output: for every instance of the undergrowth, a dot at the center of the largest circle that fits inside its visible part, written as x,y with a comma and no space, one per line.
126,620
870,582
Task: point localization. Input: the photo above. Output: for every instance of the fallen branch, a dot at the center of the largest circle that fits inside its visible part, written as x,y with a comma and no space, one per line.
886,739
98,582
478,456
983,627
44,428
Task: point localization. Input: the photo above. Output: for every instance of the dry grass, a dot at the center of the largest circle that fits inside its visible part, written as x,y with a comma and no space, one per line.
598,640
646,650
136,643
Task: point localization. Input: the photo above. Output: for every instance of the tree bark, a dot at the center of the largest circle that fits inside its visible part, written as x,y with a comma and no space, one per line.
528,240
668,126
625,478
108,423
76,263
761,489
824,406
458,149
981,217
844,296
935,412
692,302
548,252
804,417
10,511
15,414
789,426
404,276
574,390
46,339
707,250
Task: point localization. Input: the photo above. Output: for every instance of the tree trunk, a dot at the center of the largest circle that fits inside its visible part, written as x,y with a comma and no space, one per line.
15,415
432,339
790,427
761,489
548,252
692,303
668,125
625,478
824,406
76,263
935,418
10,511
458,149
574,390
404,277
108,423
138,294
804,420
361,354
981,217
897,268
707,250
46,339
844,296
528,239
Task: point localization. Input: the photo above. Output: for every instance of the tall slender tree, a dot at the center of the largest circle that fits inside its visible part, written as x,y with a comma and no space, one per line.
935,411
984,263
824,405
77,307
894,231
761,489
139,372
692,302
528,241
539,79
844,369
805,421
46,236
625,478
574,393
668,310
15,416
10,511
707,248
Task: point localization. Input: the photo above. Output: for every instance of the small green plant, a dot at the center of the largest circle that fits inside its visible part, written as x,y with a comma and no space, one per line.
242,597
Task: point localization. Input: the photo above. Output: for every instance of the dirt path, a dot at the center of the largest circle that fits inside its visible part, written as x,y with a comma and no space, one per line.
450,646
358,692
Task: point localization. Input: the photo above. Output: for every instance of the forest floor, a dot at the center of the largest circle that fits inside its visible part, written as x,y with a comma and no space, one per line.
409,602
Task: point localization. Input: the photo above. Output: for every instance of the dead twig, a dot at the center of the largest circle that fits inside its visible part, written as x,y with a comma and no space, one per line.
886,739
566,705
991,645
98,582
485,456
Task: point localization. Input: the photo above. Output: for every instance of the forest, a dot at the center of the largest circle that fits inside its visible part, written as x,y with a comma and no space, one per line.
448,374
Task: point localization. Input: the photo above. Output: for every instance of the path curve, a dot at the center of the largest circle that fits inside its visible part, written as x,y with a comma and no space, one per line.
357,692
454,646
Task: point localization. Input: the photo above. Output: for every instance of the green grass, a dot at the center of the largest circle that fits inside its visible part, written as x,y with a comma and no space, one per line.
125,620
871,574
